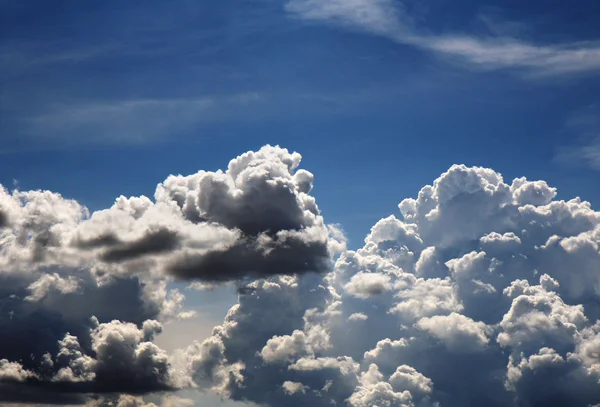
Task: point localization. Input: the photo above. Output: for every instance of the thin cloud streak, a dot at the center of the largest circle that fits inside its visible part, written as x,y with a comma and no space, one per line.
587,155
585,126
132,121
387,19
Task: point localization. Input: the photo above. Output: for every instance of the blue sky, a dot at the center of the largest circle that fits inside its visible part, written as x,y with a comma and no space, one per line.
101,99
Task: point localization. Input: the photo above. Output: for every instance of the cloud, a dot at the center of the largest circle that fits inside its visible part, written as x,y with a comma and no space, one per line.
293,387
374,391
131,401
387,18
54,349
381,17
288,347
174,401
584,126
587,154
132,121
255,219
368,284
83,296
455,330
485,293
481,292
358,316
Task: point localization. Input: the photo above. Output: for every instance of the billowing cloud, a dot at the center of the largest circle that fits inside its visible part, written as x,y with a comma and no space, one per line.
482,293
255,219
82,295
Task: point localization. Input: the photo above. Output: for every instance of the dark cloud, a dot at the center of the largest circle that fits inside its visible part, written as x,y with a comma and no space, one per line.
247,260
33,331
3,219
160,241
32,392
256,219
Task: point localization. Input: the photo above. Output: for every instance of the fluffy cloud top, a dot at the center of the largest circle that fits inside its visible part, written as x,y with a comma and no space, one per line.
83,295
482,292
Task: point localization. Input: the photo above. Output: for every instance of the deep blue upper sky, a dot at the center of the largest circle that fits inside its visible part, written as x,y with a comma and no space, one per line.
100,99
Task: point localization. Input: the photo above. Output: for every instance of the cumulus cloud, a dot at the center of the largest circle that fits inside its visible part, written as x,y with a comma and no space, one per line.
255,219
293,387
83,295
480,292
390,19
287,347
483,292
456,331
358,316
368,284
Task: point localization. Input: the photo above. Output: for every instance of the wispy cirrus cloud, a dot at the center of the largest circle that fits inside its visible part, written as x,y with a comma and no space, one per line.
387,18
585,152
382,17
133,121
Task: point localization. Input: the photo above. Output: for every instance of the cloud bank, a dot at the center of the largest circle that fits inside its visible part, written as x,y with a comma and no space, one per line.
481,292
389,19
83,295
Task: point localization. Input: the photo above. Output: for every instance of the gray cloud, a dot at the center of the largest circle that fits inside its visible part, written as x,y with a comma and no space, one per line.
154,242
58,344
3,220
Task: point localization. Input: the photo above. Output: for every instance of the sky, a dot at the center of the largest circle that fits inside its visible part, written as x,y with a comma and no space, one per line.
380,97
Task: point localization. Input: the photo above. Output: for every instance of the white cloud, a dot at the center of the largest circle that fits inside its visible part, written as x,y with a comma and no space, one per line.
366,285
456,331
87,291
407,378
388,19
377,16
293,387
13,371
375,391
358,316
286,348
482,292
